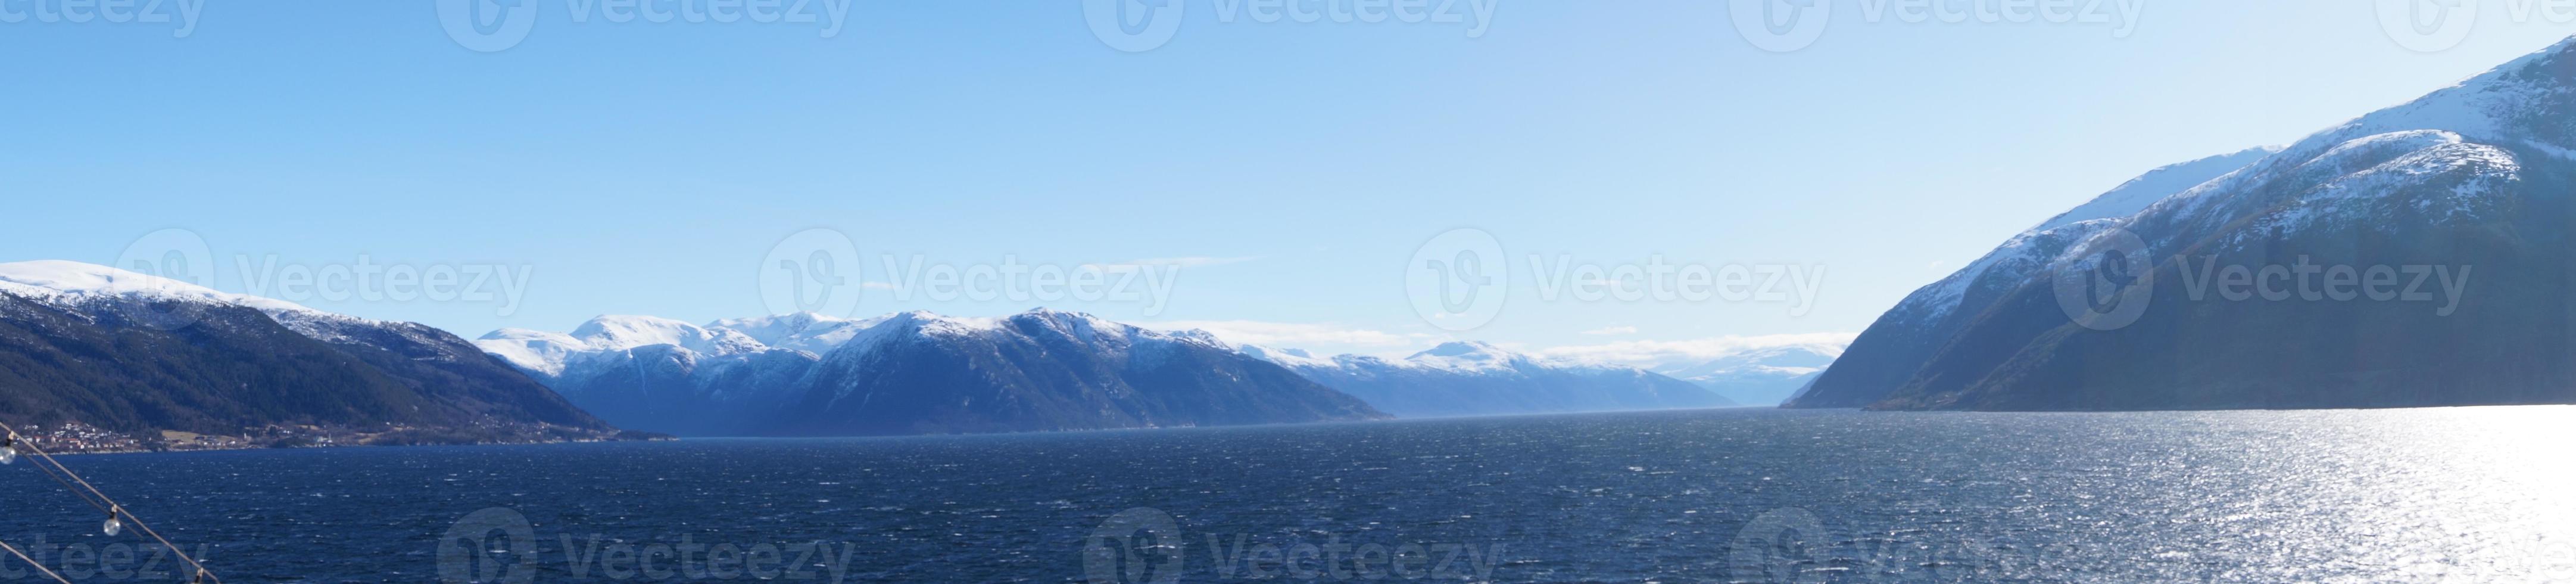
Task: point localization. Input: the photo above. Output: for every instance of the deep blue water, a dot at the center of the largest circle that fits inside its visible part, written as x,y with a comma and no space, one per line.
2362,496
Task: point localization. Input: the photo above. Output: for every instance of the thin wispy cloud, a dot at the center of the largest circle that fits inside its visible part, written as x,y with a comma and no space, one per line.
1295,335
1664,353
1611,331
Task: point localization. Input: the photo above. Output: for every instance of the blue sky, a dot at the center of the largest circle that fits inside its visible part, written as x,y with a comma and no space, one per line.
1290,170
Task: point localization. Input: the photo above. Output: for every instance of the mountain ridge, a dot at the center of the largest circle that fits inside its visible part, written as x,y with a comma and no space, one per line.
2472,175
136,354
911,373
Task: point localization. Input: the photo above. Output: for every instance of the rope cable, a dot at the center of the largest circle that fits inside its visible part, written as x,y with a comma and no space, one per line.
115,510
22,556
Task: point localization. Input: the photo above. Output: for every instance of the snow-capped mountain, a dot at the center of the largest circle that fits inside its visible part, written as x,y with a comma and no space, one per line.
134,353
1470,379
1763,377
2471,177
910,373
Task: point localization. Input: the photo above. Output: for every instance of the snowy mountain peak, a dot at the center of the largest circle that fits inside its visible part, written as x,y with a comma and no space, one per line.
68,281
621,332
802,331
2134,196
1471,356
1462,348
2465,170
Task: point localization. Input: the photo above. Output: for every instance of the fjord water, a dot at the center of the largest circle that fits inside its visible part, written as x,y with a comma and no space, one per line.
2473,494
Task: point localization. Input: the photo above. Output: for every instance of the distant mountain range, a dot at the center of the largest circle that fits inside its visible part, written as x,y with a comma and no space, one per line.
129,353
1472,379
917,372
912,373
136,354
1760,377
2473,180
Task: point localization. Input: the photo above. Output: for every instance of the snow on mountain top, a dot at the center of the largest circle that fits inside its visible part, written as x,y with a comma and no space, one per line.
2134,196
2022,251
622,332
1293,358
935,323
67,281
814,334
532,350
803,331
1470,356
2523,103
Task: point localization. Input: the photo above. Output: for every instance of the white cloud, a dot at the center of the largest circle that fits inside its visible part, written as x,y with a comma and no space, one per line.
1614,330
1292,335
875,285
1652,354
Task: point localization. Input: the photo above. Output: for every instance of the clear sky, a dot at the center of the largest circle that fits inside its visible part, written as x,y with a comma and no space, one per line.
1290,170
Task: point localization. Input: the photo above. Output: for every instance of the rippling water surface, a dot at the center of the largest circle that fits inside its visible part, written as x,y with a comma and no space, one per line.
2474,495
